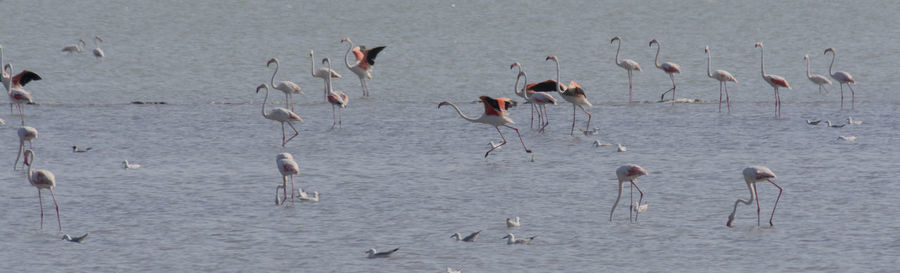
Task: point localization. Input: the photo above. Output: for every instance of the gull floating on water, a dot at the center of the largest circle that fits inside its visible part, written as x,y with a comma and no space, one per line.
451,270
620,148
80,150
375,254
511,224
834,125
847,138
130,166
75,239
511,239
853,122
813,122
471,238
597,143
640,207
304,196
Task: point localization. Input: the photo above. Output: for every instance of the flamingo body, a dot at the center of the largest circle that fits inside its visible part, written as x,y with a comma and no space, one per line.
288,168
73,48
629,173
495,114
817,79
722,76
365,59
842,78
282,115
626,64
42,179
573,93
289,88
753,175
774,80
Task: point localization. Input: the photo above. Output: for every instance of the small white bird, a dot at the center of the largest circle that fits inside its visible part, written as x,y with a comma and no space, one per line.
511,224
853,122
130,166
620,148
471,238
75,239
495,146
813,122
511,239
834,125
75,149
597,143
375,254
304,196
640,207
77,47
847,138
97,51
451,270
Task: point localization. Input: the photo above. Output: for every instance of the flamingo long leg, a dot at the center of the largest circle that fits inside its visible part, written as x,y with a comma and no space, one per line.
340,118
727,99
588,125
520,137
282,135
631,202
842,95
333,117
58,222
532,115
640,200
21,145
284,186
852,97
780,190
720,97
630,102
573,120
292,188
498,146
296,133
41,202
672,76
757,206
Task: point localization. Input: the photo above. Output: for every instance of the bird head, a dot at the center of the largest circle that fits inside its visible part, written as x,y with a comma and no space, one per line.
346,39
443,103
806,57
617,38
261,86
28,156
514,65
272,60
551,58
758,44
829,49
653,41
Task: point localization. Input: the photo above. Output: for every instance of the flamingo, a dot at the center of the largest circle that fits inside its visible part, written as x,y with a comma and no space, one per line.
42,179
495,114
4,75
26,133
322,73
337,99
97,51
77,47
628,172
523,94
539,99
287,167
842,78
752,175
722,76
17,92
774,80
819,80
626,64
279,114
573,93
668,67
365,59
288,87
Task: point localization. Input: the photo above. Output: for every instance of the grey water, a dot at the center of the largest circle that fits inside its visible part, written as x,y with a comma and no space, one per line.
403,173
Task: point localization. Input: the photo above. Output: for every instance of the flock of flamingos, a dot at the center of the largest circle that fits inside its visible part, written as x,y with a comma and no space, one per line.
538,94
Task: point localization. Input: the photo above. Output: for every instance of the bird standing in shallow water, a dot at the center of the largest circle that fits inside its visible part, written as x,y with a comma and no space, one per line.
629,173
279,114
774,80
365,61
42,179
626,64
668,67
753,175
817,79
722,76
842,78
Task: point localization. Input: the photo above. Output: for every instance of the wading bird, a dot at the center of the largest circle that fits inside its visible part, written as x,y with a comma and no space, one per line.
42,179
723,77
669,68
774,80
365,60
626,64
629,173
752,175
288,87
495,114
322,73
817,79
337,99
282,115
842,78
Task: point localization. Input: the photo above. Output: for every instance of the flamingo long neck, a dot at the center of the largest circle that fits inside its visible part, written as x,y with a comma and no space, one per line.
617,51
833,55
265,100
808,75
762,61
272,81
558,81
347,55
516,86
746,202
708,64
458,111
30,156
312,63
621,187
329,88
657,55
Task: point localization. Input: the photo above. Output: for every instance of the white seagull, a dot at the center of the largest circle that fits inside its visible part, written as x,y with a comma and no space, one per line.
511,239
375,254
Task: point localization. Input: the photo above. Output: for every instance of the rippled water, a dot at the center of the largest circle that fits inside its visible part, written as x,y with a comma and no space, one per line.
402,173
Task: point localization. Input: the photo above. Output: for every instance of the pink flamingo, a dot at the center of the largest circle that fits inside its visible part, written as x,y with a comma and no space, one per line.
628,172
287,167
17,92
42,179
322,73
842,78
819,80
365,59
669,68
538,100
495,114
337,99
288,87
752,175
774,80
722,76
26,133
626,64
573,93
279,114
